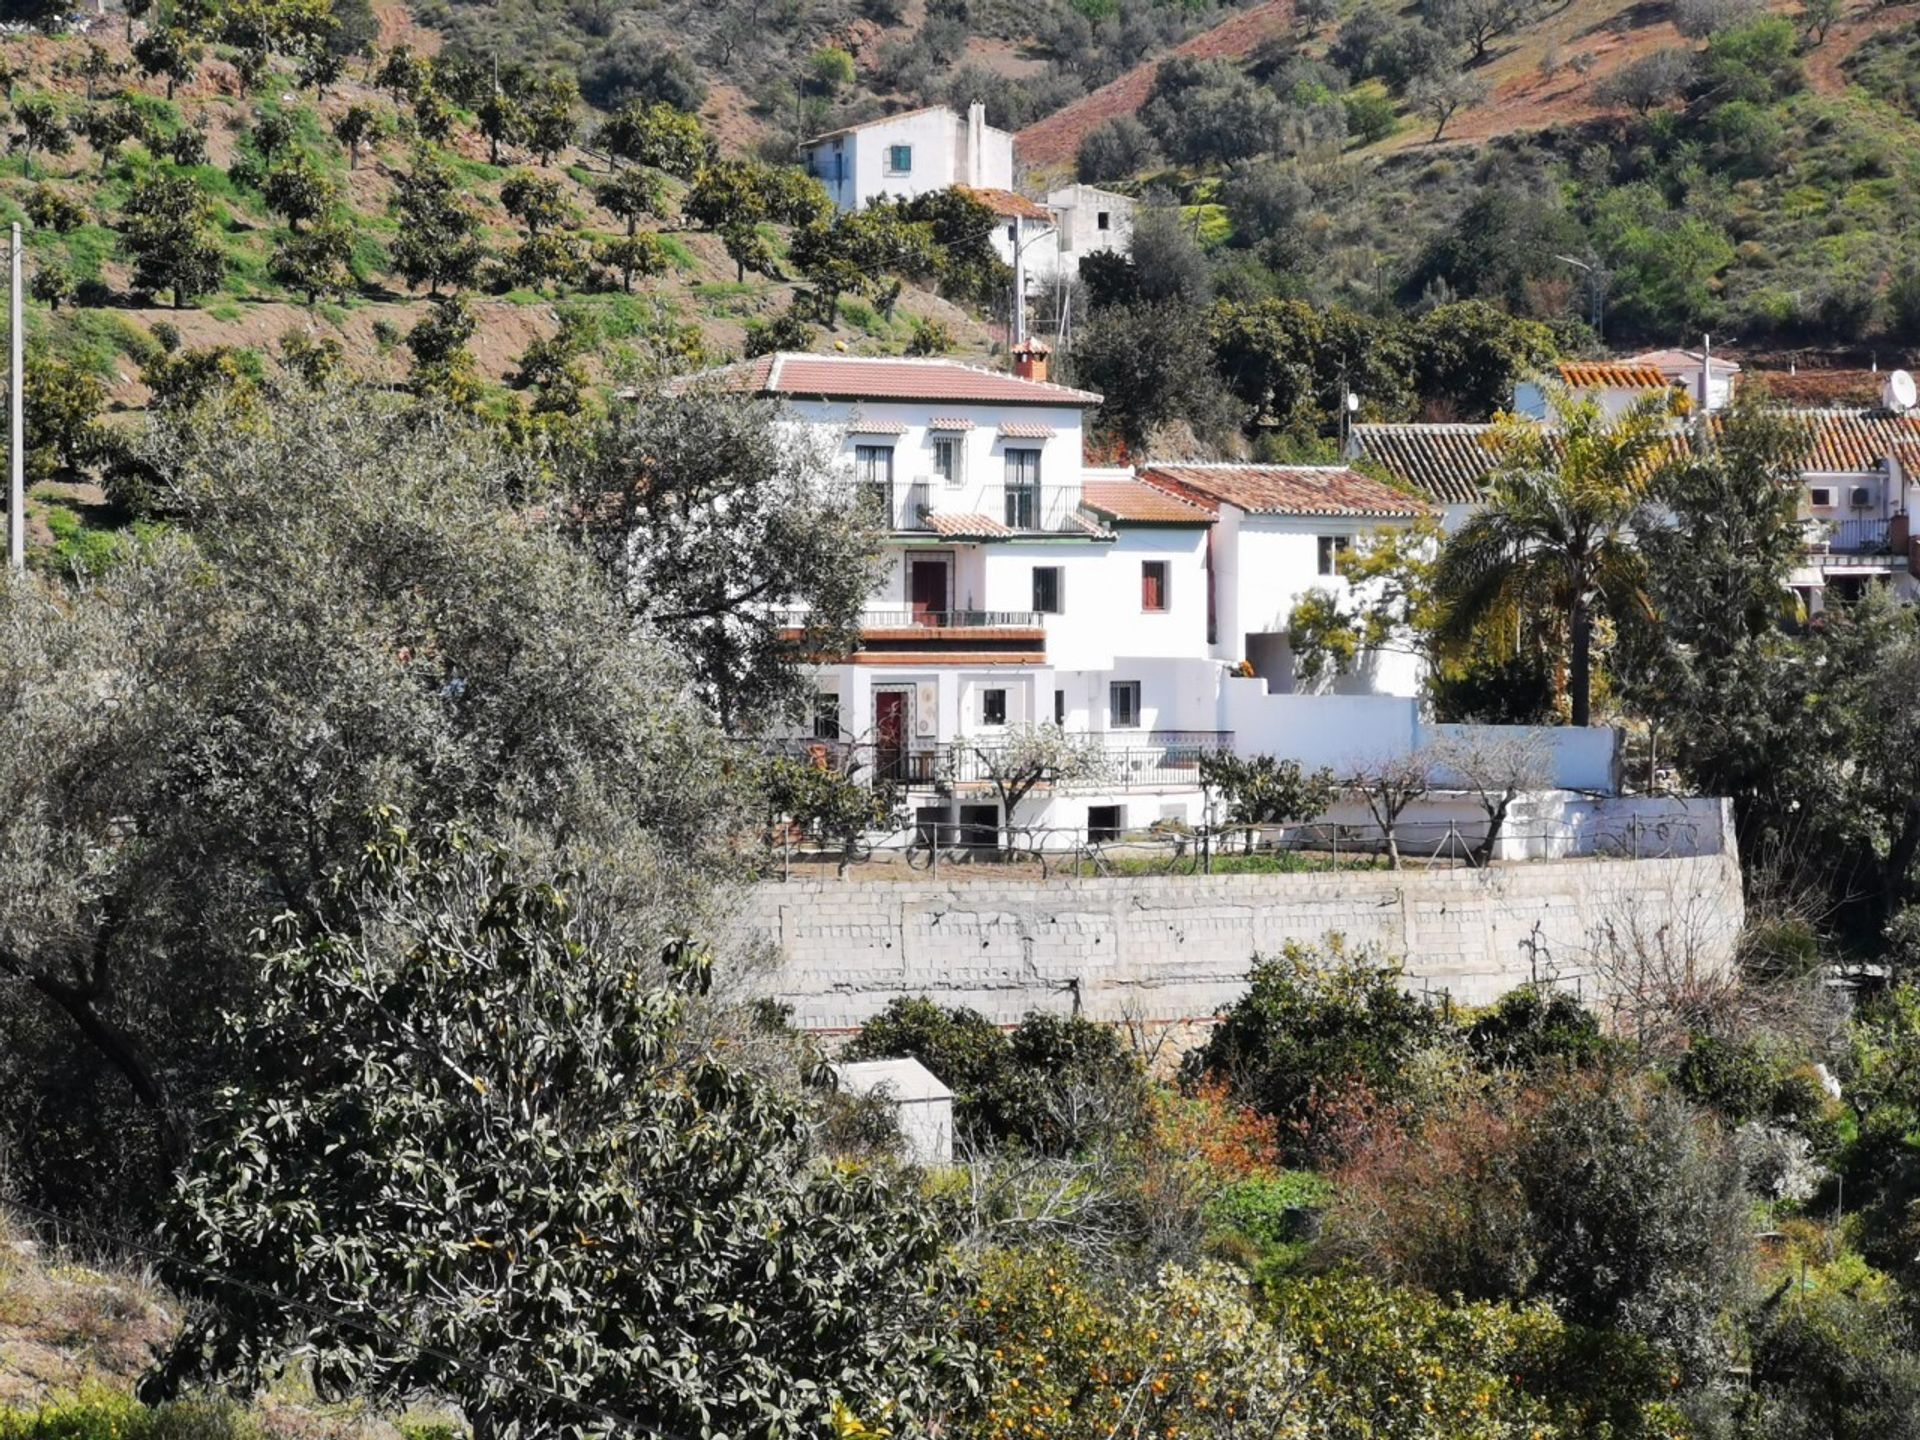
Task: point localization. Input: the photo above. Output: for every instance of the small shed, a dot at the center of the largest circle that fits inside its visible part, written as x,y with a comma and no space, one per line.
922,1105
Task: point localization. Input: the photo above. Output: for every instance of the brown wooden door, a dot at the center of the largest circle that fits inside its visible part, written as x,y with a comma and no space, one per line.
890,734
927,587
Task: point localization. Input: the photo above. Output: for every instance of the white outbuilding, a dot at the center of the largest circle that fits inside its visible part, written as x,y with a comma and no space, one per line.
922,1105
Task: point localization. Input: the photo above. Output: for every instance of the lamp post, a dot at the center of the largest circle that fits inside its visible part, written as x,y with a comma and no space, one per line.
1596,290
1020,277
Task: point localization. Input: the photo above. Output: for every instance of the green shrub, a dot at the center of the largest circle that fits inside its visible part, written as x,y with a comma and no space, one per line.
1530,1027
1269,1209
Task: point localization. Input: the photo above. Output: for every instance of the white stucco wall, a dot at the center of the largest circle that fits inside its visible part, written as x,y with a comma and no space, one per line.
855,168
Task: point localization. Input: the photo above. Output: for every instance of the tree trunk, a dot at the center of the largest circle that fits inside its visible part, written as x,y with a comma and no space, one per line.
119,1050
1581,682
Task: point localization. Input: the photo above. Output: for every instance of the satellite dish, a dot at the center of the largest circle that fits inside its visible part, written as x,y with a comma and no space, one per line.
1900,392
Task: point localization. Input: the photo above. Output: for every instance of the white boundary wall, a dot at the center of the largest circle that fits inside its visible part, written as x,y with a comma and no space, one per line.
1178,948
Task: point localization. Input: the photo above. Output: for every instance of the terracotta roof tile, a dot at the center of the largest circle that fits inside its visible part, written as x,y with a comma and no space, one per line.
1132,502
969,527
1850,441
1670,361
1019,430
1007,202
1611,375
1287,489
1446,463
877,427
949,422
855,377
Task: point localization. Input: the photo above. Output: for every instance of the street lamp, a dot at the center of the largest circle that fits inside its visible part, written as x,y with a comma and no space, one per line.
1020,276
1596,289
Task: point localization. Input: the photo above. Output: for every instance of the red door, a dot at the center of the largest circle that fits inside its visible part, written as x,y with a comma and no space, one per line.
927,587
890,734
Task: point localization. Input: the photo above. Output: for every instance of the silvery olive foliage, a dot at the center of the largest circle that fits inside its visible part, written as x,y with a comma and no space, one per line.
470,1136
347,605
718,521
1778,1163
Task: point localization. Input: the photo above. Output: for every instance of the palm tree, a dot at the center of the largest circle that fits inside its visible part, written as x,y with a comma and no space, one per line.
1555,538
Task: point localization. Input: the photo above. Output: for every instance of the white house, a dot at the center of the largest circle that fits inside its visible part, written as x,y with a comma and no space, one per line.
1090,221
1144,612
1617,385
1708,380
1279,531
911,153
1448,464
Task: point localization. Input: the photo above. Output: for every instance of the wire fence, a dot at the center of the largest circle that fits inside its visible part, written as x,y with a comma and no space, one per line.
932,847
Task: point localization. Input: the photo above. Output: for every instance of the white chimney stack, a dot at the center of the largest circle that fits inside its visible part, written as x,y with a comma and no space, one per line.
976,144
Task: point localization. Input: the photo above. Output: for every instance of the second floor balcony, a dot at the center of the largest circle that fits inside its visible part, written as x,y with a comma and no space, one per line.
931,506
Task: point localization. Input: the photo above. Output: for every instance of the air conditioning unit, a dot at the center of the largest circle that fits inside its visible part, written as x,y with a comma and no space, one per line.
1861,498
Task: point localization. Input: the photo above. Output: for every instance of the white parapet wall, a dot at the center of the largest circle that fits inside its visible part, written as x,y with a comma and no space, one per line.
1347,733
1171,949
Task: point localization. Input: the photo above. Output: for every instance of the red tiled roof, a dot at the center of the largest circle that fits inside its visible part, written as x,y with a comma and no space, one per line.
1850,441
1286,489
969,527
949,422
1446,463
1611,375
877,427
1668,361
854,377
1131,502
1018,430
1007,202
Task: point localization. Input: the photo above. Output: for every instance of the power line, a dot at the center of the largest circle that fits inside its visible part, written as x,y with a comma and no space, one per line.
373,1326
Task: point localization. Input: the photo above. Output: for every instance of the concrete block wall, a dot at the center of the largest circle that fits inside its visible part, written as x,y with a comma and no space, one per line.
1166,949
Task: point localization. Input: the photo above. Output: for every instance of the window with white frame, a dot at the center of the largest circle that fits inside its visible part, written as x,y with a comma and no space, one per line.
873,471
1820,497
899,159
946,458
1123,705
993,706
1022,488
1332,547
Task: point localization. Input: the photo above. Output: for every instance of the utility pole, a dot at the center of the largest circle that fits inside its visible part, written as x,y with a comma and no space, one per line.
17,412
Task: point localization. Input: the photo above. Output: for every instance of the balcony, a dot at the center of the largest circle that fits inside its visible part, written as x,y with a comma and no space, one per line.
1865,544
907,617
1137,760
910,507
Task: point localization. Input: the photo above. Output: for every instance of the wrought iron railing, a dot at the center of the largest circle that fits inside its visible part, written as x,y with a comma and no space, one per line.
1131,760
906,617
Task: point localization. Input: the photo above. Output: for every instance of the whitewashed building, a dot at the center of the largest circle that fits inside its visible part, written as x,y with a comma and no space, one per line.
1089,221
911,153
1145,612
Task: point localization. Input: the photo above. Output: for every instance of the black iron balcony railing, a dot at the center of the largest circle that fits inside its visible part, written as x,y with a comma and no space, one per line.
1121,760
908,617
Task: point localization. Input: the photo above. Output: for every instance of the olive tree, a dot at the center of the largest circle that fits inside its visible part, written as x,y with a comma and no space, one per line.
715,521
474,1150
350,607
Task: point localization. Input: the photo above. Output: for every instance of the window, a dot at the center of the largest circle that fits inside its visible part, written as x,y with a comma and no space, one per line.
1046,589
899,159
873,469
1820,499
1123,705
1105,823
1060,708
1013,233
826,716
1153,585
1023,488
993,707
1332,547
1102,221
946,460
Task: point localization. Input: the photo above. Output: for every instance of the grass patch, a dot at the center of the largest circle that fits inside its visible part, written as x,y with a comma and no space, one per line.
679,252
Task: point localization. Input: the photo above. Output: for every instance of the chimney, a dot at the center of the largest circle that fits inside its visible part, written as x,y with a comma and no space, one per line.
1030,360
976,144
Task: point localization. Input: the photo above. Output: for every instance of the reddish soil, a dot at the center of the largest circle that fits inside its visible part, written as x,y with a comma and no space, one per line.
1054,140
